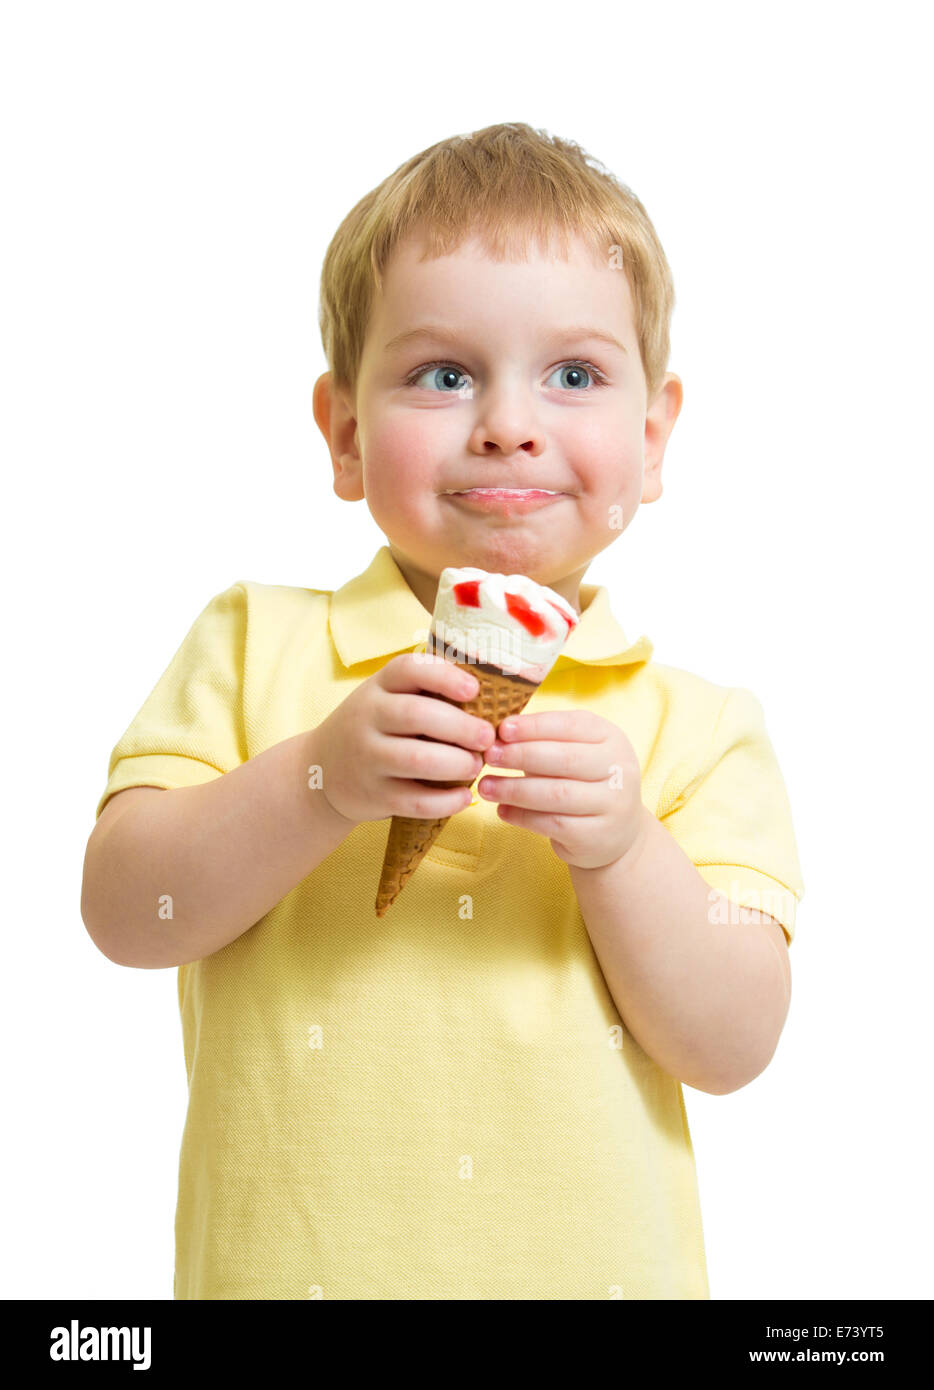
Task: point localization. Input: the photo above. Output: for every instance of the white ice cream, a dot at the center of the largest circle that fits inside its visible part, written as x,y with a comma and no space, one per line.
492,631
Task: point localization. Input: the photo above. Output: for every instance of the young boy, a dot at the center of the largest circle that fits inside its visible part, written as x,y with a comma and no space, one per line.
479,1095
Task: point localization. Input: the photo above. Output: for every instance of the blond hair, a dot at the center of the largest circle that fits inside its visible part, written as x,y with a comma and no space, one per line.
506,184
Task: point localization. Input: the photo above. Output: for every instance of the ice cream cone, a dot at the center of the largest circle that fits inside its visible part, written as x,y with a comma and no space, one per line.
499,695
507,631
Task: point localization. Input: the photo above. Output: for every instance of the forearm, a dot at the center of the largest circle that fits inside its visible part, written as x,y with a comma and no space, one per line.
706,1001
216,857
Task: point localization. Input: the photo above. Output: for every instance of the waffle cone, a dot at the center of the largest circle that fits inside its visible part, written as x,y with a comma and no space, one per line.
410,840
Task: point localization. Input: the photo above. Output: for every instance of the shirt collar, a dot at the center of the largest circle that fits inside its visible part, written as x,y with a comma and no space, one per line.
376,614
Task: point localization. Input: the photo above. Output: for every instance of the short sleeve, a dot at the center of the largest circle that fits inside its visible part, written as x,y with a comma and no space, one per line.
191,727
733,818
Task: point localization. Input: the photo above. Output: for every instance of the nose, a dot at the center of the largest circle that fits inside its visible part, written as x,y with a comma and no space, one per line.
507,420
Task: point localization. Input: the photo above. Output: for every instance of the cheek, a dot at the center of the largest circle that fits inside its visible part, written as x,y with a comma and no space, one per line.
609,466
603,448
400,464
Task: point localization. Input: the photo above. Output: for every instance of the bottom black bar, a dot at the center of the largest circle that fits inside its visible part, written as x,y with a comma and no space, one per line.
165,1339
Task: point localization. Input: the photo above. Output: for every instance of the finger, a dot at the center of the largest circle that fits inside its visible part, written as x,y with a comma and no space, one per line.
553,827
575,726
415,671
583,761
424,802
552,795
434,718
421,757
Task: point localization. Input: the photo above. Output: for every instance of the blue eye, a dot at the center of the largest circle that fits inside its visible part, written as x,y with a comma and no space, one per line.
440,374
580,369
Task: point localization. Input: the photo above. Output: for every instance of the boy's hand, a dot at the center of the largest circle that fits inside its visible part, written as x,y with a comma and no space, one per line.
582,786
394,730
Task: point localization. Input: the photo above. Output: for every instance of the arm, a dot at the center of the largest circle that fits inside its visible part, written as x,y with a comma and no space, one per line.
225,852
707,1002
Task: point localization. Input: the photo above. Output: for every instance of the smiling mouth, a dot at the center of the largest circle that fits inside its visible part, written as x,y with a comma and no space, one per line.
502,492
505,502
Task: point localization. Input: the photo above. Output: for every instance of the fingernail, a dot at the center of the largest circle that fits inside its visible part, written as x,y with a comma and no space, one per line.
507,729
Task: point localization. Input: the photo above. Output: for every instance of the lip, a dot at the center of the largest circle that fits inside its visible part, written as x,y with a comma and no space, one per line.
506,499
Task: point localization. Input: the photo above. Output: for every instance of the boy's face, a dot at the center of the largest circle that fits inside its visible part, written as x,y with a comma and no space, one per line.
509,389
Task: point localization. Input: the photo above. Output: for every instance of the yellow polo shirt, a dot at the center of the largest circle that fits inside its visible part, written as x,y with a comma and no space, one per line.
442,1103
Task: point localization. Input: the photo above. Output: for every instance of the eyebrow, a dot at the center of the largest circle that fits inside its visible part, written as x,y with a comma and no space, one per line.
438,331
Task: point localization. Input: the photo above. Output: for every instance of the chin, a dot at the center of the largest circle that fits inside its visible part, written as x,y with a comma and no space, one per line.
512,555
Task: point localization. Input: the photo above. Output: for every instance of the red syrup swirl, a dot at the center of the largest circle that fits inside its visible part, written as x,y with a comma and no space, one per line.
570,623
520,609
468,593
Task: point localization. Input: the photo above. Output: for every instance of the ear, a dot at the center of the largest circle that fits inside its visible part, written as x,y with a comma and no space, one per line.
334,414
660,420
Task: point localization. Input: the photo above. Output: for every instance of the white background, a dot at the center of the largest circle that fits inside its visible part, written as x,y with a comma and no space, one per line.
172,176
